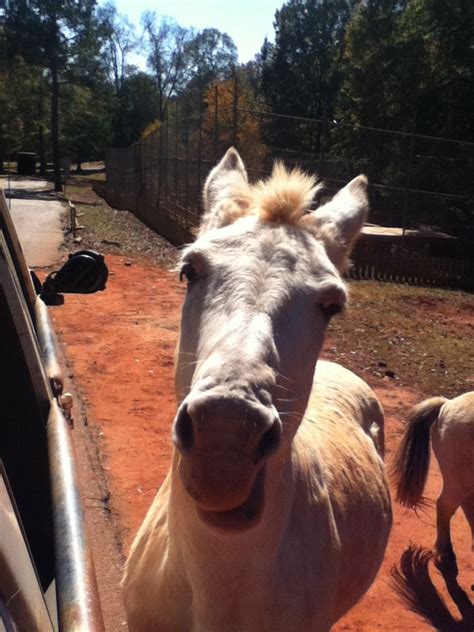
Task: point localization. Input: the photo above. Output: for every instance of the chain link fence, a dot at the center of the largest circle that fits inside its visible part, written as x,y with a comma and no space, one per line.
421,187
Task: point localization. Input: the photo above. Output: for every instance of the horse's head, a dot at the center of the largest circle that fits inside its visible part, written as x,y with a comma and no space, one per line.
263,281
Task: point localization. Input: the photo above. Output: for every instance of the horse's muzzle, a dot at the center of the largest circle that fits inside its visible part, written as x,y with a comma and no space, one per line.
223,444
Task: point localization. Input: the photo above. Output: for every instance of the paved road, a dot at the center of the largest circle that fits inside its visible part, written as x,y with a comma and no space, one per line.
36,213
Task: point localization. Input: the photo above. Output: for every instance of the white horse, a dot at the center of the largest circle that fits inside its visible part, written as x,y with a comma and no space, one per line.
275,513
451,425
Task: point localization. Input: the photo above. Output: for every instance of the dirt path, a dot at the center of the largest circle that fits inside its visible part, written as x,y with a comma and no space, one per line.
120,347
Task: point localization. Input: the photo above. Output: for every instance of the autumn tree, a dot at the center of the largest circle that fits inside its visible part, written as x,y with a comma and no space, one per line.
229,121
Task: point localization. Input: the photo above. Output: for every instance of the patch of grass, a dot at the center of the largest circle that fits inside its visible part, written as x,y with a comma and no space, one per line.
421,337
94,177
108,230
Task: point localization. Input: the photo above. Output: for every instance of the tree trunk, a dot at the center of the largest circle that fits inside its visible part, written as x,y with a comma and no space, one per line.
41,150
41,145
55,125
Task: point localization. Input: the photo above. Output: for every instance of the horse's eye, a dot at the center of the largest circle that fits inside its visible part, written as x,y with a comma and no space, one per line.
189,272
331,310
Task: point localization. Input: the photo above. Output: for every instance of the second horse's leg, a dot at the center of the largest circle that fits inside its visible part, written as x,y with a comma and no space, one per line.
468,509
446,505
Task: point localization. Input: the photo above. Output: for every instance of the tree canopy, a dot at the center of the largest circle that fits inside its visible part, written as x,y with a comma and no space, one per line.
383,86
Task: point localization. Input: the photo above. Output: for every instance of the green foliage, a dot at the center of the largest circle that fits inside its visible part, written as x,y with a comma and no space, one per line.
301,72
62,34
349,69
212,55
119,41
353,69
139,106
62,40
70,89
24,116
403,57
408,66
183,60
86,128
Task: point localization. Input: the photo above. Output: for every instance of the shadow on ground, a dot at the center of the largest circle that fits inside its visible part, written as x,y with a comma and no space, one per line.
45,195
412,582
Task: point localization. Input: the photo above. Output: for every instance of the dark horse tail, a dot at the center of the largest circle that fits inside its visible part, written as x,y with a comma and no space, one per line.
412,460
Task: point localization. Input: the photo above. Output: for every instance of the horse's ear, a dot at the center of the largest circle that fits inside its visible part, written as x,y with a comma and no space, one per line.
340,221
225,193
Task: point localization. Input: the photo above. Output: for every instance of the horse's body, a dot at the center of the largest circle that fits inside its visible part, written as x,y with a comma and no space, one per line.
451,426
276,512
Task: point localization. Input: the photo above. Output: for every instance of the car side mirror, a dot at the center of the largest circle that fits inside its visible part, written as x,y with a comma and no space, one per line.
85,272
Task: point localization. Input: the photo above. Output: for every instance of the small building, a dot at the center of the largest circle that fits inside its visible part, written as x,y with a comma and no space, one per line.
26,163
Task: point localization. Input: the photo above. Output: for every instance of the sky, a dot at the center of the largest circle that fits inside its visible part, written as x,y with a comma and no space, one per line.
248,22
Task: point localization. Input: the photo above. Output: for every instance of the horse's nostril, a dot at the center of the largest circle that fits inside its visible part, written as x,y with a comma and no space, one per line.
269,441
183,434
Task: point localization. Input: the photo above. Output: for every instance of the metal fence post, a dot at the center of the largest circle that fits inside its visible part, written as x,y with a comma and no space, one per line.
216,123
166,156
199,156
322,144
137,181
235,110
160,171
186,168
176,158
408,174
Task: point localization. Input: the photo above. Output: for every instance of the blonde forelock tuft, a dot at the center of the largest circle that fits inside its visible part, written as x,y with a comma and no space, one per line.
285,197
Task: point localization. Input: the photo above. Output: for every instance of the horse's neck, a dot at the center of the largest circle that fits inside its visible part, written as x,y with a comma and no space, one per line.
236,550
235,573
214,555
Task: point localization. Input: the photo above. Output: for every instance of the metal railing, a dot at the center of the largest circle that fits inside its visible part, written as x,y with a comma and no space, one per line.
65,553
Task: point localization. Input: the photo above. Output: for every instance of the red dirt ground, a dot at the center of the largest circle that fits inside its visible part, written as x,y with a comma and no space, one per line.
120,348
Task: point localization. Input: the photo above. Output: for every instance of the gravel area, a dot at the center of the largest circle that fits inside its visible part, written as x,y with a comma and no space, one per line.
108,230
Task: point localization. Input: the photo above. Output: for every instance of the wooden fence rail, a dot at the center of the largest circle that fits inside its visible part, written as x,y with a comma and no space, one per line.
416,269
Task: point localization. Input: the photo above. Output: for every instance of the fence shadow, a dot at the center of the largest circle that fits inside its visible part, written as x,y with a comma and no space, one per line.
31,194
412,583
